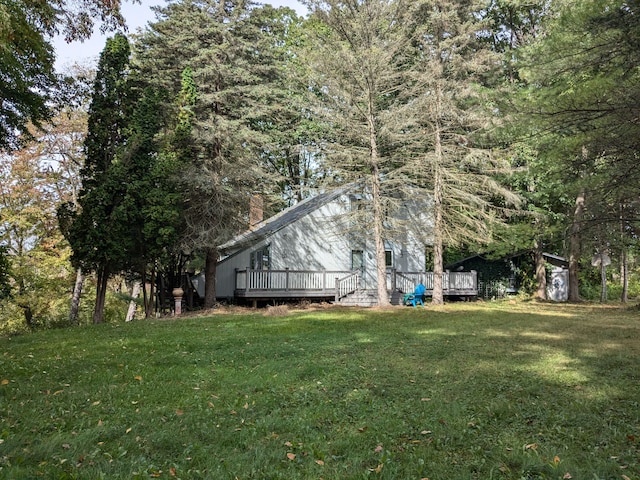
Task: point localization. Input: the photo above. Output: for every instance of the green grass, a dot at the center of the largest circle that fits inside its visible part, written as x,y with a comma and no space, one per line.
467,391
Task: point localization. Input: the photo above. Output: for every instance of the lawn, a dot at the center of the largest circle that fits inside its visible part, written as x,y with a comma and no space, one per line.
465,391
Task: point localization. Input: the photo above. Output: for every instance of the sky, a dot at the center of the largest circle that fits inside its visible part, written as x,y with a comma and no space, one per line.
137,16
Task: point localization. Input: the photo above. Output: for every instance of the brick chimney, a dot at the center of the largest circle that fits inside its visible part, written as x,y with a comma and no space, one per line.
256,210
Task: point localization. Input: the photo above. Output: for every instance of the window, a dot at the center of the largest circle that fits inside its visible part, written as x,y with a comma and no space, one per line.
388,258
261,258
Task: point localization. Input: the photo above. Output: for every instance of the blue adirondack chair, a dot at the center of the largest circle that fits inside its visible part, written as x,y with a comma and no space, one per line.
417,297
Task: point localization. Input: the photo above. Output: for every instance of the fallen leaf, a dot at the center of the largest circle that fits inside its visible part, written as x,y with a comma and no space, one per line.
138,377
378,449
556,460
426,432
567,476
531,446
100,423
96,403
288,444
127,430
5,381
172,471
378,469
210,405
320,462
291,456
179,412
362,429
624,477
246,406
66,446
425,399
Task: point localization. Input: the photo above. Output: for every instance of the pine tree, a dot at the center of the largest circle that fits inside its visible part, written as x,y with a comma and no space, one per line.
403,82
582,102
232,50
357,63
452,67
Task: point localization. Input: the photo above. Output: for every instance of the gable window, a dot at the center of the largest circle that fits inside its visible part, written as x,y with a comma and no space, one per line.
388,258
261,258
388,255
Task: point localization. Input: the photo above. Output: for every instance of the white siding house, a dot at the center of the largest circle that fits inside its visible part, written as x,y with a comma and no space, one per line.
314,242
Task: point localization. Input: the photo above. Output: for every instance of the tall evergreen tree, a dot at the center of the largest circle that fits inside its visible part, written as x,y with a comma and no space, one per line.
98,232
582,102
232,51
357,62
452,65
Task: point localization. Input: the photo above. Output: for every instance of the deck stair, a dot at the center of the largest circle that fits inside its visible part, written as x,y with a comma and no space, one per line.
360,298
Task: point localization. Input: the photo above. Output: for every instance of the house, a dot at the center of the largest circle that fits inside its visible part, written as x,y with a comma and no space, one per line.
318,249
499,277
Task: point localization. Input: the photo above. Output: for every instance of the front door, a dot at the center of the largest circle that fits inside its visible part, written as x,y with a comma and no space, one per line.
357,263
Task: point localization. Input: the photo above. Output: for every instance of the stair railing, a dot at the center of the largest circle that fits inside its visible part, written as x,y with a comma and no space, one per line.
347,285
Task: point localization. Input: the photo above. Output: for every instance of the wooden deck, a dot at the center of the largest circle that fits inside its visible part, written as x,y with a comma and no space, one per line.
335,285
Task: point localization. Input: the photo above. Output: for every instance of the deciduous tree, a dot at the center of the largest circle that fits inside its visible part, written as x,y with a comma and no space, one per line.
28,82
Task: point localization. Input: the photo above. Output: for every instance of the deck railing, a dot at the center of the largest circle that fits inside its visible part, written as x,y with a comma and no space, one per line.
315,281
462,282
330,283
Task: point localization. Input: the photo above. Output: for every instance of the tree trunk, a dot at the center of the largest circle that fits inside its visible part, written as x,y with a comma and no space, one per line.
148,291
381,267
541,273
624,260
624,275
75,297
437,297
101,294
28,315
210,278
135,292
378,213
574,248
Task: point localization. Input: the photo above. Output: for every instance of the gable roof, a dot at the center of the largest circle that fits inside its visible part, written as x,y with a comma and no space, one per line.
279,221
